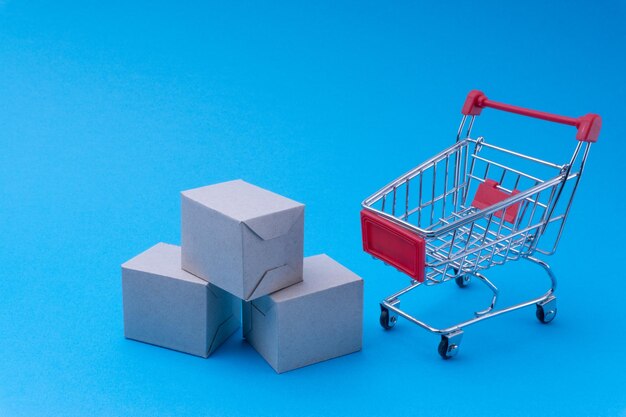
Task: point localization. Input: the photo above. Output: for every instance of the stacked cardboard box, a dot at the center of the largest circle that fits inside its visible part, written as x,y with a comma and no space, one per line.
241,243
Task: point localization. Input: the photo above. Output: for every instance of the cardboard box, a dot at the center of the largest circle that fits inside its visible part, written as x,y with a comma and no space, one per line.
168,307
312,321
242,238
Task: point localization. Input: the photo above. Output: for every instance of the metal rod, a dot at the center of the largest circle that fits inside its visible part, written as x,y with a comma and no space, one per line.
474,320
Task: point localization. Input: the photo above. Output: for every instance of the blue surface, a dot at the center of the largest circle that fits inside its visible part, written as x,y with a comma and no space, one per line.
109,109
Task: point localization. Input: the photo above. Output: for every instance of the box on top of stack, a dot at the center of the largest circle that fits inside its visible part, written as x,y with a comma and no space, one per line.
241,242
242,238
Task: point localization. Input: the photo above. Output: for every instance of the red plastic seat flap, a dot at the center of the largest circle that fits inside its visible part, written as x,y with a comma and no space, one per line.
488,195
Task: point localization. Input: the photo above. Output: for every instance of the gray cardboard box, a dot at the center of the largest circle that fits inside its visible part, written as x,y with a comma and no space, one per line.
242,238
317,319
168,307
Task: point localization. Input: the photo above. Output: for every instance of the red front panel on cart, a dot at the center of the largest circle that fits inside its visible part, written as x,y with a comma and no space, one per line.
393,244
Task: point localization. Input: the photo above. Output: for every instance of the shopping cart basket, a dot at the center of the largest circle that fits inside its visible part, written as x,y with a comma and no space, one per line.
473,206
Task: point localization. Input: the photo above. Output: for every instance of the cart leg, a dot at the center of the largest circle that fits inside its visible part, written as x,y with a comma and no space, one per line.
494,297
388,319
449,345
548,270
546,308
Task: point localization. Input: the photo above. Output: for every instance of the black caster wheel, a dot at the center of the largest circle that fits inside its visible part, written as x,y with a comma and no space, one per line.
387,321
443,348
449,345
462,281
547,312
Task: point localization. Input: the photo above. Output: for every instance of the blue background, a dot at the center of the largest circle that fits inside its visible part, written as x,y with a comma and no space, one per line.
109,109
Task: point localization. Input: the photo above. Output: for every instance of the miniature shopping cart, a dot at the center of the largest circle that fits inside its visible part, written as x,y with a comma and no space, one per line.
473,206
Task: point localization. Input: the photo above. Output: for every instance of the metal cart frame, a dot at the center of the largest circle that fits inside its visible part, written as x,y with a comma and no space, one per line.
426,224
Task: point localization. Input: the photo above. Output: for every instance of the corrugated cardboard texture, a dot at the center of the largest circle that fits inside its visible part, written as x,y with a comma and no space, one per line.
242,238
317,319
168,307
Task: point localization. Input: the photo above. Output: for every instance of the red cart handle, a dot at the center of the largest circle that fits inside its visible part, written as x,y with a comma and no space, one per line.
588,125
